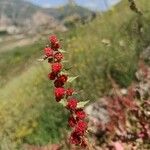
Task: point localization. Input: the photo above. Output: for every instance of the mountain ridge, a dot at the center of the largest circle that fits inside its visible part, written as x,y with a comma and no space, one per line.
20,13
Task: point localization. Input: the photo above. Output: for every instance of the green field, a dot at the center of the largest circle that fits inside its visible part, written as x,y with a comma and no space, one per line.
108,45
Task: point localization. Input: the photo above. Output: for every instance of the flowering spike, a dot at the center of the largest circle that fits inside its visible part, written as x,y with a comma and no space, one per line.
63,94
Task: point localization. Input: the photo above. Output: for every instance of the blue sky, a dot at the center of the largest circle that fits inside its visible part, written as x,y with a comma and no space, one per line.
92,4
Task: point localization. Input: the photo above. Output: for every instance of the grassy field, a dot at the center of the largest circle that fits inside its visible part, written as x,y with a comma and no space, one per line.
18,59
109,44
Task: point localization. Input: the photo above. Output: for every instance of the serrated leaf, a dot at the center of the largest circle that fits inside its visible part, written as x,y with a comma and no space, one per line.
71,79
64,72
68,68
82,104
62,51
63,102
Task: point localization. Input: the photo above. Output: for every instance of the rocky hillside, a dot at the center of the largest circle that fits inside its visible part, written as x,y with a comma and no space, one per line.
17,11
68,10
15,15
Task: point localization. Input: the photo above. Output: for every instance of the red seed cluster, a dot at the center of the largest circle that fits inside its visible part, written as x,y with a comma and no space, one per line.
77,115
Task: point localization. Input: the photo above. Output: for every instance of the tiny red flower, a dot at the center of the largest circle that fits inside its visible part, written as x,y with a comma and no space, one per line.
48,51
59,93
80,114
58,56
55,46
52,76
72,104
81,127
53,39
54,42
63,78
58,83
75,138
72,121
56,67
69,92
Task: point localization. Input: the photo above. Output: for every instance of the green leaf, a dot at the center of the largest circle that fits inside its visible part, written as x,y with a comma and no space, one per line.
70,79
64,72
82,104
68,68
62,51
63,102
65,61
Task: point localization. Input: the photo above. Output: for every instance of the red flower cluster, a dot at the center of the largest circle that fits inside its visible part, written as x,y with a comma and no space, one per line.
69,92
56,67
59,93
58,57
54,42
76,119
80,114
72,104
48,51
60,81
77,122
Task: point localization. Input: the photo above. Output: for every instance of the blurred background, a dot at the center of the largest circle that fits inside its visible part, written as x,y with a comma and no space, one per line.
100,36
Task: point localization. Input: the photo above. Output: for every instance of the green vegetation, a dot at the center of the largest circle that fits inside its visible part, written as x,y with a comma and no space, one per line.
27,97
17,60
109,44
3,33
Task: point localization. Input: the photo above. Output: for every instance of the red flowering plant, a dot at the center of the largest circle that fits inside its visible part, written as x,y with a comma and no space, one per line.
122,119
65,95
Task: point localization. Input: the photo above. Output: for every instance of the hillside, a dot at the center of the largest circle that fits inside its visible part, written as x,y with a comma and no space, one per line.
109,44
22,15
69,10
17,10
